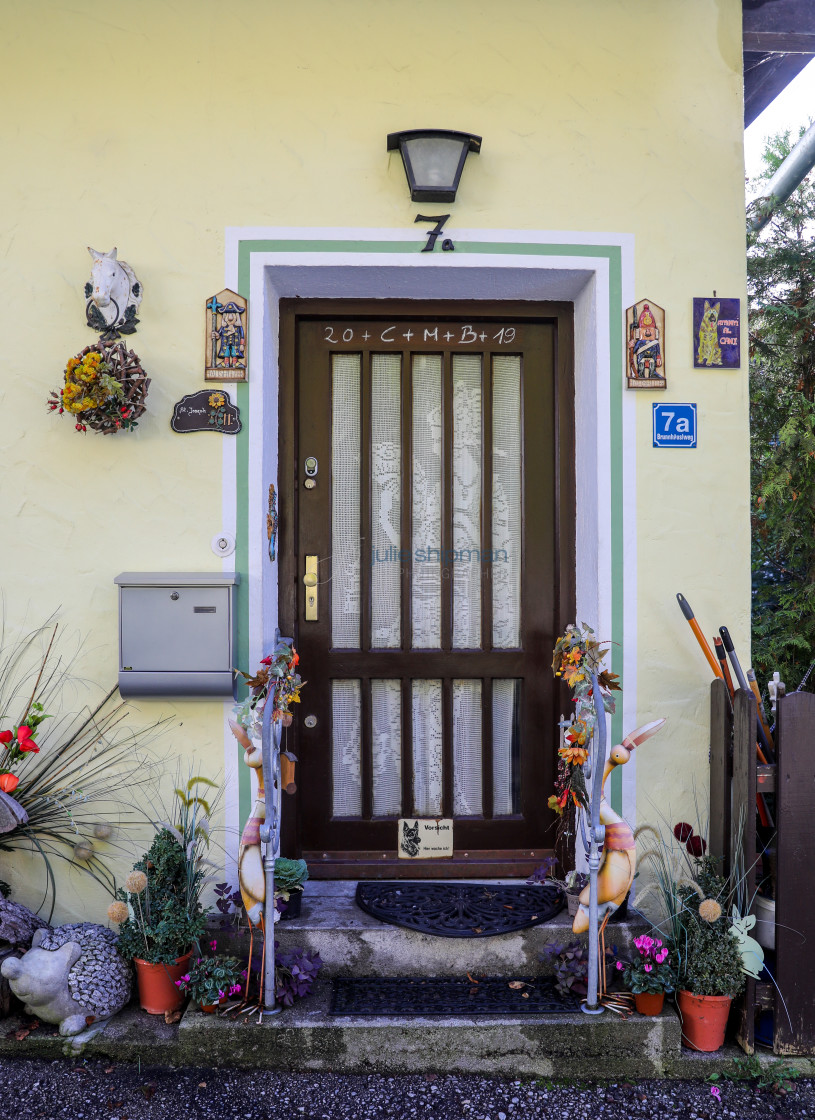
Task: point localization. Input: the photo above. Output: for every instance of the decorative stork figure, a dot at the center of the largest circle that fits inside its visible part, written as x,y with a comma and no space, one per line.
619,859
256,874
611,876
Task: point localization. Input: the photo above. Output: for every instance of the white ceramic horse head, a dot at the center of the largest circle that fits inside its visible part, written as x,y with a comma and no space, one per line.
113,295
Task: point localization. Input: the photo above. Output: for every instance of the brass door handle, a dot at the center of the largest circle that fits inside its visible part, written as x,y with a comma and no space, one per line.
312,595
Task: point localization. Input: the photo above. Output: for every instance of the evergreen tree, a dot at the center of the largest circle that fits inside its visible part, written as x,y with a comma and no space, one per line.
781,285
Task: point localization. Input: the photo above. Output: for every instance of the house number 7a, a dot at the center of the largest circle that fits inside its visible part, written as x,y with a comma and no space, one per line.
435,233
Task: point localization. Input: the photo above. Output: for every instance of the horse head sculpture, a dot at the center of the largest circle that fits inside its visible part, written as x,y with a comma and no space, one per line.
112,295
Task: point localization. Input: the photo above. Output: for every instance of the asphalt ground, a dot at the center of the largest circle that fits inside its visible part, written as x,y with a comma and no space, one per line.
33,1089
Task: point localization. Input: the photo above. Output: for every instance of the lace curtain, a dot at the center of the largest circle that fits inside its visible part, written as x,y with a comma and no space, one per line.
387,495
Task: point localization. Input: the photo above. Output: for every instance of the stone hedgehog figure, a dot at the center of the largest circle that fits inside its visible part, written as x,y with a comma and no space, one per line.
71,975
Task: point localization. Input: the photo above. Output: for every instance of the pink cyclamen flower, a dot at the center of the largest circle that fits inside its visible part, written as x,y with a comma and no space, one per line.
716,1092
213,945
620,966
221,994
648,967
178,983
235,990
661,956
186,979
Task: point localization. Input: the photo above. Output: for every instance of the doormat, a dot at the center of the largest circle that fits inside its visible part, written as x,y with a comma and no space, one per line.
459,909
447,995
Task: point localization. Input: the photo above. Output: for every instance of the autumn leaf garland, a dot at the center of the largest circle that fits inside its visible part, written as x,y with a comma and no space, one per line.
577,656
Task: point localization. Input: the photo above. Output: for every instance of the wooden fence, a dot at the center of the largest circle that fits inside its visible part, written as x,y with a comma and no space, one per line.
788,847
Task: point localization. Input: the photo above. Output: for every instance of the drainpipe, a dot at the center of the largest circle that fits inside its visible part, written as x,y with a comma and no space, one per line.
787,178
597,834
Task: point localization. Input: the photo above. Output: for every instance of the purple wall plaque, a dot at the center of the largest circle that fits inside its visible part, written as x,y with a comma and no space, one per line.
716,333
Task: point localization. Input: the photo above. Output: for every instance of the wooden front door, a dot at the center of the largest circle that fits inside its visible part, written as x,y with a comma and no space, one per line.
427,483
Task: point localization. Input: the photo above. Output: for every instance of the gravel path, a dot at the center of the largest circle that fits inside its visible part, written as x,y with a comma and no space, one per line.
93,1090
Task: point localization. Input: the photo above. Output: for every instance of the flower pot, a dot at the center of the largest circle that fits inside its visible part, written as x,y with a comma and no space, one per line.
649,1003
572,903
157,990
292,906
704,1020
211,1008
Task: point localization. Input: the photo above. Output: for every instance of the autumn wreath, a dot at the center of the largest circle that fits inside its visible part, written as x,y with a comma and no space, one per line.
105,389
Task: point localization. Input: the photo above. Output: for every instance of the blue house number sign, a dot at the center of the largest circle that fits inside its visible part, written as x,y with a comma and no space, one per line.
674,425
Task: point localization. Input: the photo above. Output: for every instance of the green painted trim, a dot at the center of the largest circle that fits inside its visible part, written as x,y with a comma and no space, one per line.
242,548
613,255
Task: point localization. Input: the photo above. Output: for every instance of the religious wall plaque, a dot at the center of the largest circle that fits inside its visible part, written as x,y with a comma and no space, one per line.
209,410
425,839
716,333
226,326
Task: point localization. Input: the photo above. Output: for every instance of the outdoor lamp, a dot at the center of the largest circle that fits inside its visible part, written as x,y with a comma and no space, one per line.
434,159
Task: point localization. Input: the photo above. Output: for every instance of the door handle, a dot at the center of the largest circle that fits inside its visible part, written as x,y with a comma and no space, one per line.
312,595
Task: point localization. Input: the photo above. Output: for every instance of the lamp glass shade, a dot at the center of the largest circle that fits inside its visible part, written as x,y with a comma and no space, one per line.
435,163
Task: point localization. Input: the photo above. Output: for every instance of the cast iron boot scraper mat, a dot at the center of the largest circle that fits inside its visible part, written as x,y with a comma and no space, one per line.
459,909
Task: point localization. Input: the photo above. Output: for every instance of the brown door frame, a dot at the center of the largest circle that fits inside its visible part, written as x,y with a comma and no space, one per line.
360,864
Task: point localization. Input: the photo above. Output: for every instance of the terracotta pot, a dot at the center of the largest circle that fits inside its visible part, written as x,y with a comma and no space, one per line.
649,1003
211,1008
704,1020
157,990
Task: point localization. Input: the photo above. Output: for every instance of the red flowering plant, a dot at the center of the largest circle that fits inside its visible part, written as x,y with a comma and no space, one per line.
577,656
651,971
277,677
17,744
21,740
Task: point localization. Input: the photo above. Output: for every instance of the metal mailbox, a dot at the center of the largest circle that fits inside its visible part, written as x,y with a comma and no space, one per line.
177,634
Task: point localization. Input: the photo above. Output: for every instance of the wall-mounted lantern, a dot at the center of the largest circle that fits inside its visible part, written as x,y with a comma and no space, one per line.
434,159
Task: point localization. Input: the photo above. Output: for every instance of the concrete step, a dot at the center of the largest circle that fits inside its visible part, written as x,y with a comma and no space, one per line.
307,1038
352,943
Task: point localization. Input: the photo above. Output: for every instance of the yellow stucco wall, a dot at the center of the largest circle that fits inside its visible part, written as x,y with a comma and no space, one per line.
153,126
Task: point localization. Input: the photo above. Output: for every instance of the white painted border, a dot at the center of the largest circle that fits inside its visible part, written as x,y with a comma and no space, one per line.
366,273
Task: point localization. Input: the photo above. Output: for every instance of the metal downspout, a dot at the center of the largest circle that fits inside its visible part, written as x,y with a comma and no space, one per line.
787,178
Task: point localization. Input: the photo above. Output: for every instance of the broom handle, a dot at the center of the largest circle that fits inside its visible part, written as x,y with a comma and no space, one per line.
685,607
762,717
721,653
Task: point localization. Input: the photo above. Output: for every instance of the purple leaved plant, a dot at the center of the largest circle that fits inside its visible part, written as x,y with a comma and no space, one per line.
295,974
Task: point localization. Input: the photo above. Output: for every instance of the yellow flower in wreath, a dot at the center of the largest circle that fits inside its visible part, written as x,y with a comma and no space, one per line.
573,754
